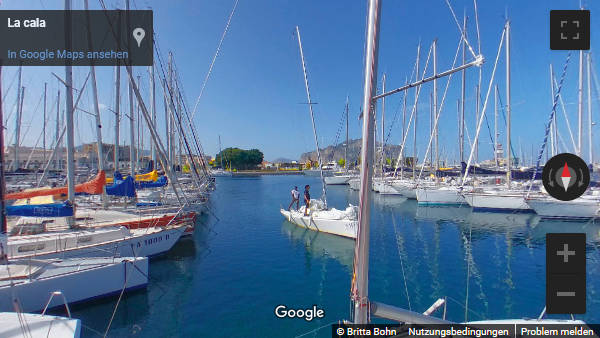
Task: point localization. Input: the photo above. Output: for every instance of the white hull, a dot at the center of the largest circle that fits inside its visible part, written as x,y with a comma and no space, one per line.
102,242
337,179
497,201
78,279
354,184
38,326
440,196
407,190
340,227
582,208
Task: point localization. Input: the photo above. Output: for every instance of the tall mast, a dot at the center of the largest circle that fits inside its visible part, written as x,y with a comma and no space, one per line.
57,138
580,105
554,130
462,97
153,110
2,175
360,287
43,125
117,114
168,112
435,108
96,107
589,109
496,125
383,127
508,105
131,132
347,139
417,90
69,116
312,116
18,122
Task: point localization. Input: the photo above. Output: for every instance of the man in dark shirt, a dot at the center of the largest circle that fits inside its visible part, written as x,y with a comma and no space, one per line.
306,199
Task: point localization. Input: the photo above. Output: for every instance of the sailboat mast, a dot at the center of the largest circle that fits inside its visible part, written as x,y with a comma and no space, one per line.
435,108
312,117
347,139
383,127
69,115
96,107
589,108
117,115
131,133
57,138
18,122
168,127
580,105
44,124
462,96
496,126
153,110
414,159
508,105
360,287
3,229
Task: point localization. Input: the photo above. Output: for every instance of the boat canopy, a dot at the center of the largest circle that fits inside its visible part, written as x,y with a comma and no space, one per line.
93,187
160,182
121,187
148,177
41,210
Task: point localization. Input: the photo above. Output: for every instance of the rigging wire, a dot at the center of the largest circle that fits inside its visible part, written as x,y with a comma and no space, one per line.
212,63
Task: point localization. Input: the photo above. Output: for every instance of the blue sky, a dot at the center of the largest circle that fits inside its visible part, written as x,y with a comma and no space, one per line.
254,96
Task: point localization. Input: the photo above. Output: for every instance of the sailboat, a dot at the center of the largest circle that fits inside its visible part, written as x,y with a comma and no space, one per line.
320,217
363,308
220,172
19,324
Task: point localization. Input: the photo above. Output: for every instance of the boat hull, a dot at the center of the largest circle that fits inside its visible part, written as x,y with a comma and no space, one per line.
340,227
497,202
443,196
79,280
337,180
581,209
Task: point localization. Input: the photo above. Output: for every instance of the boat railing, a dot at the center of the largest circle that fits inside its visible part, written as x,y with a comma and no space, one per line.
57,293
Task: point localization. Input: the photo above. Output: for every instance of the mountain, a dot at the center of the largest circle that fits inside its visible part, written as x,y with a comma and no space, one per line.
334,153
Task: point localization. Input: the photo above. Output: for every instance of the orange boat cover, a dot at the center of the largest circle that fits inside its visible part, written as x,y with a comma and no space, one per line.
93,187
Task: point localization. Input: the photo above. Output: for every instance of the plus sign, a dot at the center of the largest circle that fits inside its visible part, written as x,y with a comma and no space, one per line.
565,253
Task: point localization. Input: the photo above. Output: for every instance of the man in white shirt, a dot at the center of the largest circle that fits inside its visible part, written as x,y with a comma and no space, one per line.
295,198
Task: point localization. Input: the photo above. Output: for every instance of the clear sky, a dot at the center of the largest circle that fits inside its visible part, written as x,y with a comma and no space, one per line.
255,94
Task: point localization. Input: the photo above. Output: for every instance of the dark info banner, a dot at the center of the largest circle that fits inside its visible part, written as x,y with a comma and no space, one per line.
522,329
79,38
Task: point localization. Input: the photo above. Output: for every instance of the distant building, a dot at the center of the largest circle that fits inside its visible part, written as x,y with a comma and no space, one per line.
266,165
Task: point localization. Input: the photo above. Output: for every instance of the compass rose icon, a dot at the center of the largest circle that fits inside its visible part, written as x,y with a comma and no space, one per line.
566,177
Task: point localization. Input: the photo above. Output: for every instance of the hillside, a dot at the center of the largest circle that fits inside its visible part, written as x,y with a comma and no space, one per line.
334,153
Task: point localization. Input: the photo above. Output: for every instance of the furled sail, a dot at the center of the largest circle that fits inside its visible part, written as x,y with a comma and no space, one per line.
93,187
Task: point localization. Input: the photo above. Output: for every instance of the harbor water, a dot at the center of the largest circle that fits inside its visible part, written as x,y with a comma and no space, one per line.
245,259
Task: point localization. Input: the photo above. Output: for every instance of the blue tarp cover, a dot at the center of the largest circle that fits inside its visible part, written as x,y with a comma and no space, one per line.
160,182
41,210
123,187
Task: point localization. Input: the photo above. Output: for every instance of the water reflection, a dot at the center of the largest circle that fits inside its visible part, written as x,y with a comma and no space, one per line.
321,245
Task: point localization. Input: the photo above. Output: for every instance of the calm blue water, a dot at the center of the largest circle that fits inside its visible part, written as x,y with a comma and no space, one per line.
227,281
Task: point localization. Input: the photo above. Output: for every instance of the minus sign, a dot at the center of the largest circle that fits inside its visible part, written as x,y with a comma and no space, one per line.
565,294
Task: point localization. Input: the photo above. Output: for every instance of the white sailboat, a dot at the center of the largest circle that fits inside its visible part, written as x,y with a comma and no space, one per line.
79,279
583,208
18,324
320,217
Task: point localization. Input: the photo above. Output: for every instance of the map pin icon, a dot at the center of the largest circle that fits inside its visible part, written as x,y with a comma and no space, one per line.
138,35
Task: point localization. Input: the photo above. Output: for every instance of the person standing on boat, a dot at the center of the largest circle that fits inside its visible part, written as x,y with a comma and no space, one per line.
295,198
306,199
